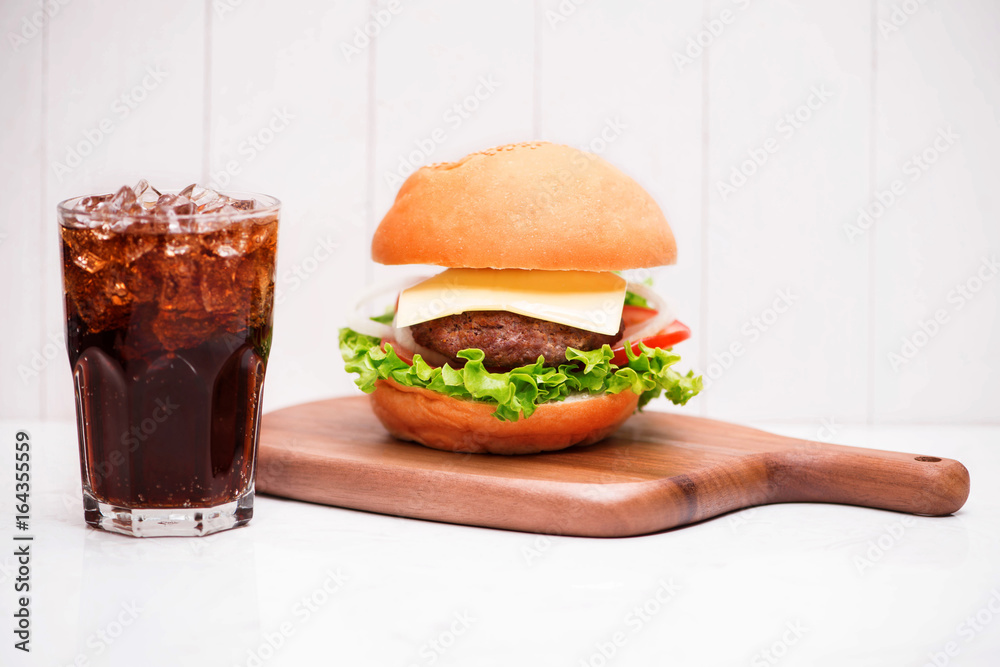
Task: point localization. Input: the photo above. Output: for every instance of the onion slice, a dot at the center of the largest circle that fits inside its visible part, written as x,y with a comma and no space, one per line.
405,338
653,325
361,322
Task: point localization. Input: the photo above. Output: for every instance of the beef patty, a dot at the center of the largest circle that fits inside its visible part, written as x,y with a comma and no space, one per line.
507,339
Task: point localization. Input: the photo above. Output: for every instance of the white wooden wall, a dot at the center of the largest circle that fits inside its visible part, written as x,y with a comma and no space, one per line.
334,118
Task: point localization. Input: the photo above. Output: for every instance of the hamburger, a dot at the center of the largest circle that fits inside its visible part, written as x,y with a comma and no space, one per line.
530,339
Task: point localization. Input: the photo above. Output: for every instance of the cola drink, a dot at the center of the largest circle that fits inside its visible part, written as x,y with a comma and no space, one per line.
168,326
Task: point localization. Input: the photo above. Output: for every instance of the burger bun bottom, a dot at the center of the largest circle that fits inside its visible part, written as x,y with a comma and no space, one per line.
443,422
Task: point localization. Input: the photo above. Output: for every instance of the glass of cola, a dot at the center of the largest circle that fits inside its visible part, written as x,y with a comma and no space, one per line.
168,302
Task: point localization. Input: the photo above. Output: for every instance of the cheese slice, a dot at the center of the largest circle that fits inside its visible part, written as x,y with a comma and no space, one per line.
582,299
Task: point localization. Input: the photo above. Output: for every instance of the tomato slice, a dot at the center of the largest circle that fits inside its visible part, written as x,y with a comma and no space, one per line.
404,354
674,333
637,314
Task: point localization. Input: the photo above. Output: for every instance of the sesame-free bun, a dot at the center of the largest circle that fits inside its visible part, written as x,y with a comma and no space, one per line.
525,206
443,422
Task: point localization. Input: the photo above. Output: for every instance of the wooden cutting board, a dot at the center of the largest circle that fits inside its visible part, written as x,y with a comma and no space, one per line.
658,471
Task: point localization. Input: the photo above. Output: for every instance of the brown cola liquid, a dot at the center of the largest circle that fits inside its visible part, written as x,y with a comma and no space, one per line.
168,336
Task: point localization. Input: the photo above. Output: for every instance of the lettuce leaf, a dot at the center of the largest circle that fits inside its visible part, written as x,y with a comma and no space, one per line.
633,299
520,391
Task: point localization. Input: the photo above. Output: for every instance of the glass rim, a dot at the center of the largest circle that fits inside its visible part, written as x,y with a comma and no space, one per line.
272,205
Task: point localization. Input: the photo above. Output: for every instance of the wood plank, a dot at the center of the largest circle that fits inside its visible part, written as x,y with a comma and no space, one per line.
937,290
788,158
29,356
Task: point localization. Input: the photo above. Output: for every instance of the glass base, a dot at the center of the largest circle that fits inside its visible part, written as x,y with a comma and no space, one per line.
168,522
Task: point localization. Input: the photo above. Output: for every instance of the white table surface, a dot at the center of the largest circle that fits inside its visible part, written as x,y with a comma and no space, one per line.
337,587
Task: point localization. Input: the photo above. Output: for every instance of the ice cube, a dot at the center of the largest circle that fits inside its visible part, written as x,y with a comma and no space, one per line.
243,204
179,289
263,234
175,247
215,206
122,222
135,246
228,211
226,239
182,205
91,203
88,261
219,219
100,232
225,250
123,199
165,210
208,201
218,293
166,201
146,195
118,291
84,249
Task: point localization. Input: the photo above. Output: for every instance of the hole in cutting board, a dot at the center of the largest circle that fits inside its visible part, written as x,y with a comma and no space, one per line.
928,459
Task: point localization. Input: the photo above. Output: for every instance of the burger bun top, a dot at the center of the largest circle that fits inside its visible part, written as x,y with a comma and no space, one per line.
525,206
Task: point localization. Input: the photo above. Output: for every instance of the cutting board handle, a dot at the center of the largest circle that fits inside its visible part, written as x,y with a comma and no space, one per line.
815,471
